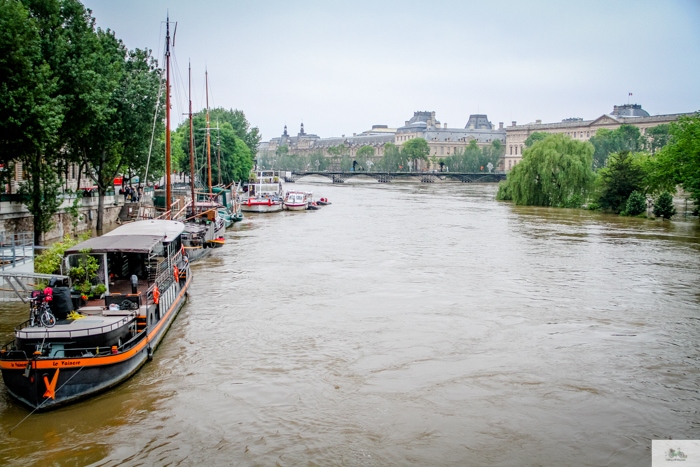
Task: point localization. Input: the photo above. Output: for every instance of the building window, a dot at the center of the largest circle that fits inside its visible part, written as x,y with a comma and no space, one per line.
442,149
521,150
511,150
509,163
516,150
588,134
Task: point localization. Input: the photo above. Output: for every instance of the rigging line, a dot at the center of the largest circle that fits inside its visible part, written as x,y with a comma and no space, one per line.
153,132
177,89
44,401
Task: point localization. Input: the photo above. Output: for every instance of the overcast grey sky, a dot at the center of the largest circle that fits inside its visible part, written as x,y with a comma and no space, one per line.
342,66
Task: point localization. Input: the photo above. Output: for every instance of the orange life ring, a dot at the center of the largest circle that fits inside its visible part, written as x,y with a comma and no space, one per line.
177,273
156,295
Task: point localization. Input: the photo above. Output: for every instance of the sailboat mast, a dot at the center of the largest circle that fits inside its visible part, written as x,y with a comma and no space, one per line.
168,194
218,146
191,145
206,77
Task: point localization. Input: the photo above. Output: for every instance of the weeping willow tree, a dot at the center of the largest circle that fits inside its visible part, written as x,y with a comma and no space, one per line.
555,171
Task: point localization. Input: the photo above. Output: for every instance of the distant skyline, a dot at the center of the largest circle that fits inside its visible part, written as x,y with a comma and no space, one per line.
341,67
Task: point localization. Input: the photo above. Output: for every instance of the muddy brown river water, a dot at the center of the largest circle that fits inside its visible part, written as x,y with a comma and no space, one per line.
407,324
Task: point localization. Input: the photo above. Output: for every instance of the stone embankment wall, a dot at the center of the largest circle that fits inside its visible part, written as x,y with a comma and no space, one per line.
15,218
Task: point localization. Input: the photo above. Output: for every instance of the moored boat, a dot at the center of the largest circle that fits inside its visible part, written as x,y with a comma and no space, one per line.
264,192
323,202
145,277
297,200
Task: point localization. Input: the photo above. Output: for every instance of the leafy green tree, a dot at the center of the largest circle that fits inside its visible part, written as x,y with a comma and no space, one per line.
415,149
393,160
636,204
657,137
606,142
678,163
552,172
241,127
31,106
363,155
625,173
535,137
663,206
236,160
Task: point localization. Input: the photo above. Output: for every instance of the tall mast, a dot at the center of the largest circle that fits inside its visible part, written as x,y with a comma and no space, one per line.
191,145
206,77
218,147
168,194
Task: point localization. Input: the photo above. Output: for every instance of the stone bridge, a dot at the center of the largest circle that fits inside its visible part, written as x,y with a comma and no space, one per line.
423,177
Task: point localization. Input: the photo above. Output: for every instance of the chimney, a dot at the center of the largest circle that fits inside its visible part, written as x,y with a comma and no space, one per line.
444,125
500,125
538,122
514,122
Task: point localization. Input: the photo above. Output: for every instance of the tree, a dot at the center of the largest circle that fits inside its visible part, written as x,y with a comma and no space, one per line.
393,159
636,204
658,137
623,174
34,39
553,171
678,163
663,206
363,155
415,149
535,137
241,127
606,142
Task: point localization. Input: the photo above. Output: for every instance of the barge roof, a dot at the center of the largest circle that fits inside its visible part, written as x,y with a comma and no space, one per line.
136,237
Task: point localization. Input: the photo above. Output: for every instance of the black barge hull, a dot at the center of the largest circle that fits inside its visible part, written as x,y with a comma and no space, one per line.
46,383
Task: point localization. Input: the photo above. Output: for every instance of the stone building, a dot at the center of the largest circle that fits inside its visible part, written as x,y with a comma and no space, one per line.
580,129
442,141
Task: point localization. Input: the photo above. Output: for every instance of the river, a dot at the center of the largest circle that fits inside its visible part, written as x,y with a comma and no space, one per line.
407,324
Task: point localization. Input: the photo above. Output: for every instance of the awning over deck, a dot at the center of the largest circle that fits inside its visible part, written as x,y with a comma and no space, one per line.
137,237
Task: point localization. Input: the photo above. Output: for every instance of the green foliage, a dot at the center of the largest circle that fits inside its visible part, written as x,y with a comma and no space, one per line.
574,201
504,193
606,142
636,204
552,172
593,206
415,149
535,137
394,160
658,137
49,261
364,154
226,142
663,206
472,158
86,270
74,213
625,173
678,163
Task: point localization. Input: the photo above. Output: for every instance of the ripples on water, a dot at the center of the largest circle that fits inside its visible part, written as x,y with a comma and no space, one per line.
407,324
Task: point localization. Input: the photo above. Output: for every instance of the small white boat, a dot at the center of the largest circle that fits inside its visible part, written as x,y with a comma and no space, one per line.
297,200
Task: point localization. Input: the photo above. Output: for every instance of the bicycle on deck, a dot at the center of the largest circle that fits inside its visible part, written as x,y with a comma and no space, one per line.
39,310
